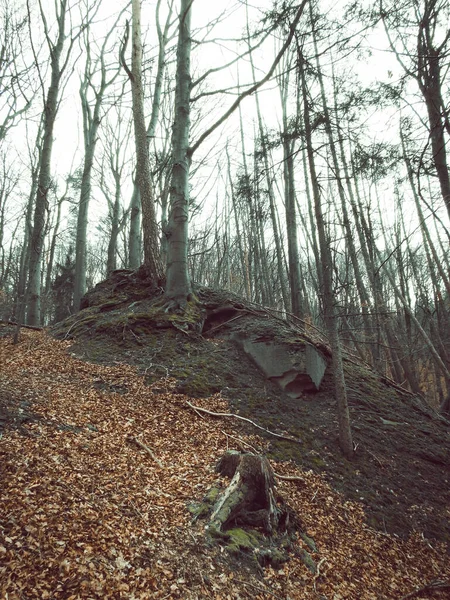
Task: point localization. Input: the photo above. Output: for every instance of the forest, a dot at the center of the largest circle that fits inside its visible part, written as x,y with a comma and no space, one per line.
224,299
295,154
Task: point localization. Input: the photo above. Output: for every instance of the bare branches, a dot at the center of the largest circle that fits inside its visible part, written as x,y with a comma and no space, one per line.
256,86
198,409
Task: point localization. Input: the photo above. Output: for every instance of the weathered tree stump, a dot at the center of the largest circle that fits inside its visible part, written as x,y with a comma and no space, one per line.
250,498
249,517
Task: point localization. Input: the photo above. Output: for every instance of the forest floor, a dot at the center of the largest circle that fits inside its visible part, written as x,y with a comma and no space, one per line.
88,513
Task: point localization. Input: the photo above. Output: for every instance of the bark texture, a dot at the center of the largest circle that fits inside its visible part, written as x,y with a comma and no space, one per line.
178,285
44,177
250,497
152,260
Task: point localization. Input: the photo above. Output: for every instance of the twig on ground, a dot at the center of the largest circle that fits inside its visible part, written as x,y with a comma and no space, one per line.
232,415
317,575
146,448
433,585
289,477
237,439
21,325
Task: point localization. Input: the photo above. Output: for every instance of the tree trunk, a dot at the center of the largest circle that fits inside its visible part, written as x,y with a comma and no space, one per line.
152,259
290,206
44,178
178,285
330,317
134,239
111,263
250,498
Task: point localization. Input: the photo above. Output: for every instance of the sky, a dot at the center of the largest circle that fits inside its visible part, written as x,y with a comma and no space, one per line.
378,64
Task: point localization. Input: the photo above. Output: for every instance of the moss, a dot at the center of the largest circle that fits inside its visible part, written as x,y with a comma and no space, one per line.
198,510
212,495
318,462
202,509
240,540
273,557
308,541
308,561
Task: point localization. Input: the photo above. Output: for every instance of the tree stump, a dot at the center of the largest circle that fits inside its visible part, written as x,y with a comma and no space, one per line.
250,498
249,517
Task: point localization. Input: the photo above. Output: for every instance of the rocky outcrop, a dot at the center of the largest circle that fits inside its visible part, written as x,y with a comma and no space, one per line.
295,372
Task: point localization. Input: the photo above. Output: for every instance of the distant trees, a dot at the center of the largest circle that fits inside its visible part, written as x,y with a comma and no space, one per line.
425,61
325,196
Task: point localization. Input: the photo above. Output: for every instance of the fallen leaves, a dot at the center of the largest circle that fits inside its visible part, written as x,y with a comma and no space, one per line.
87,514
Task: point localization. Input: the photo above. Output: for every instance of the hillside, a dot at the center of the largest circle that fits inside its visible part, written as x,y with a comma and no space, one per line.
89,513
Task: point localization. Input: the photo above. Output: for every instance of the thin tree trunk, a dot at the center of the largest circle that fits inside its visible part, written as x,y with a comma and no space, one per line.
178,285
295,283
330,317
152,259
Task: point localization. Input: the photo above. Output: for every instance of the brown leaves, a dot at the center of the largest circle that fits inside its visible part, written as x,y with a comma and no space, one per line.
87,514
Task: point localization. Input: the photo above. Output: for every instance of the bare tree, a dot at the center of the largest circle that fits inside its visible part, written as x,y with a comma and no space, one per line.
16,80
178,287
59,61
152,258
96,68
426,63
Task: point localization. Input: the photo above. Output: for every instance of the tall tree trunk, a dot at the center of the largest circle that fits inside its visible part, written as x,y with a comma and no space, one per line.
134,240
240,241
91,124
178,285
295,283
44,177
152,259
270,192
330,317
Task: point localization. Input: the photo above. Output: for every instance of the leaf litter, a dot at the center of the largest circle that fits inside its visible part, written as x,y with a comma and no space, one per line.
95,488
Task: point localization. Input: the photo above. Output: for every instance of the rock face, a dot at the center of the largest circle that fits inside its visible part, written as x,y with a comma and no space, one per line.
296,373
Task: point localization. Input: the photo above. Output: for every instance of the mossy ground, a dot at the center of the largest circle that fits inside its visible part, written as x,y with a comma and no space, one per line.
401,474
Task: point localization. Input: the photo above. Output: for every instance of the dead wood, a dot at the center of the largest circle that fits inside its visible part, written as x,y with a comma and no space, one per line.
146,448
437,585
232,415
250,498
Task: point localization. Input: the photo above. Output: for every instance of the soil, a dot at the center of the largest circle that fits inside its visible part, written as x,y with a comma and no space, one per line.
401,468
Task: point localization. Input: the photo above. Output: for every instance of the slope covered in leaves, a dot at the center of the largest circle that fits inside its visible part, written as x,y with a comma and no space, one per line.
88,513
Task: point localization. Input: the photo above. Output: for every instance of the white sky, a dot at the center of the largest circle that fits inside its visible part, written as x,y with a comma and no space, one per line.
68,142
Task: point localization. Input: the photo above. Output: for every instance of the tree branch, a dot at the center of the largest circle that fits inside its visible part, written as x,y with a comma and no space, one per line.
232,415
255,87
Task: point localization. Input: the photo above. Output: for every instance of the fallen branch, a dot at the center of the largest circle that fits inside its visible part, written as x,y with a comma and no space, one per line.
225,323
232,415
147,449
5,322
433,585
289,477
